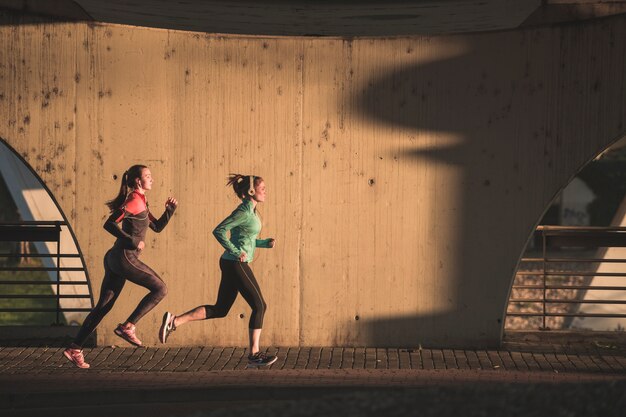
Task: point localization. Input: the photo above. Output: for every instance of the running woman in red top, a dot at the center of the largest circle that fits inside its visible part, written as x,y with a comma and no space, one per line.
122,263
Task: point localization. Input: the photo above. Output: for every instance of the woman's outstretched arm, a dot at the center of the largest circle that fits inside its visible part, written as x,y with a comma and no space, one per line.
159,224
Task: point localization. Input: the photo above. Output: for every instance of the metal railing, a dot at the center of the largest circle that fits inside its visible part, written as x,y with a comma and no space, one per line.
555,237
39,231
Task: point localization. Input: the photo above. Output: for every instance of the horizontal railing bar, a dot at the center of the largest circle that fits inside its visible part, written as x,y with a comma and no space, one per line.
39,255
45,296
565,315
569,287
586,274
35,223
555,301
44,283
34,269
43,310
573,273
581,228
573,260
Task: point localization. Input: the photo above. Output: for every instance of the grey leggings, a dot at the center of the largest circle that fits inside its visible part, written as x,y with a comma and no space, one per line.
121,265
238,278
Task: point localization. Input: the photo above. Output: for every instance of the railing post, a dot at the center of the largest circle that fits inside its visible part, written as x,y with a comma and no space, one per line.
58,274
545,260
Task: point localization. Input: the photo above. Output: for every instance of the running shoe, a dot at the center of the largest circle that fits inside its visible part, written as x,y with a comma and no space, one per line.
167,326
76,357
128,333
261,359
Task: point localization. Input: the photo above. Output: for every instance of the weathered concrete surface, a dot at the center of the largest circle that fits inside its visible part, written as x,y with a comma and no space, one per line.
404,175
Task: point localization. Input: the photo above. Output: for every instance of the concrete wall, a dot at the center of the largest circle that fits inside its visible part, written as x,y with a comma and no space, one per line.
404,175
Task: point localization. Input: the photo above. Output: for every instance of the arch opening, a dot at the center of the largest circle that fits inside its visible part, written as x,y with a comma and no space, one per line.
43,276
572,273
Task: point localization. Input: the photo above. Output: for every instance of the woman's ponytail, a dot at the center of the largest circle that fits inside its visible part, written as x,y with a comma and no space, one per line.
128,182
241,183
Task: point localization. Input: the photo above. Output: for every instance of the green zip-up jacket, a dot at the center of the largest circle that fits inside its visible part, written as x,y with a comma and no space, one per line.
244,226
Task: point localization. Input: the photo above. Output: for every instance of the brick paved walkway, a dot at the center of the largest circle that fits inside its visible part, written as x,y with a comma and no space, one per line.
37,360
42,377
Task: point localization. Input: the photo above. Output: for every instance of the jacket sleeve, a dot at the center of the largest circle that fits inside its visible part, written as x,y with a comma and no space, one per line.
111,226
159,225
263,243
236,218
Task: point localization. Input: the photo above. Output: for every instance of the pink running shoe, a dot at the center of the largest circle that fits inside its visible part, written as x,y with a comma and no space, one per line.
76,357
128,333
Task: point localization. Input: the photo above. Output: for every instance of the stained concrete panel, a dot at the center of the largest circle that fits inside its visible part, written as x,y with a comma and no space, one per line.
404,175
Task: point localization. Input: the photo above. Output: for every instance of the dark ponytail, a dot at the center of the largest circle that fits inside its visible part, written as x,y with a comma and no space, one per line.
128,182
241,183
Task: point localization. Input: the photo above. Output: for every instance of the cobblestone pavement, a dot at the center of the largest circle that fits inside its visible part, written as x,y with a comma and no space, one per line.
39,377
43,360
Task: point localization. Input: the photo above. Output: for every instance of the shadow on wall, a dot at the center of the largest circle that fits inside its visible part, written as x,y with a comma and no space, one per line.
488,114
393,332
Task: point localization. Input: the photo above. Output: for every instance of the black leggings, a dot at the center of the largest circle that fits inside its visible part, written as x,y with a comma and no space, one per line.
121,265
237,277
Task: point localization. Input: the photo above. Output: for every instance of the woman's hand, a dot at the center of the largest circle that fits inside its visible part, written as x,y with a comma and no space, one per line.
243,257
171,202
271,243
140,246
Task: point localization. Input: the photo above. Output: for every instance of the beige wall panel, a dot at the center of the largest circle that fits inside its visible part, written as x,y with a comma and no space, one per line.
389,227
37,98
211,107
238,115
404,175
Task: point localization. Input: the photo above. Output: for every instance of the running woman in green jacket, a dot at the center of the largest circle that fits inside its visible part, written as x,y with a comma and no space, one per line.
244,226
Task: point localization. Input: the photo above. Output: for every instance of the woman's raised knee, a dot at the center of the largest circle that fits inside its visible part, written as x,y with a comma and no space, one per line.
160,291
219,313
260,307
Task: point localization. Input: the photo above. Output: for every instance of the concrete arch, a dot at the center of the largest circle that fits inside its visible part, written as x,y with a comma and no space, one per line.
601,252
406,173
34,205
